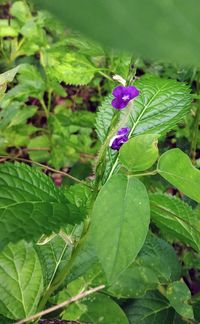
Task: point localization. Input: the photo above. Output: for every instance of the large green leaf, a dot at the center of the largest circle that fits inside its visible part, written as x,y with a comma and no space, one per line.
119,224
30,204
152,308
21,281
156,264
175,217
176,167
159,106
165,30
139,153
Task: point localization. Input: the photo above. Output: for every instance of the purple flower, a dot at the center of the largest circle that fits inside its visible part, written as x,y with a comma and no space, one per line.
118,140
123,95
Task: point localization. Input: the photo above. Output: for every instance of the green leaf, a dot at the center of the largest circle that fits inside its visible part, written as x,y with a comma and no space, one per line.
175,217
8,76
21,11
5,78
172,36
31,205
176,167
21,281
53,255
41,143
72,68
96,308
139,153
103,120
156,264
121,207
152,308
159,106
178,295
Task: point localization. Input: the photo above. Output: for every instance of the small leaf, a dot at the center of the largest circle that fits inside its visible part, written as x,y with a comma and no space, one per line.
53,255
21,281
104,116
178,295
31,205
139,153
176,167
121,208
175,217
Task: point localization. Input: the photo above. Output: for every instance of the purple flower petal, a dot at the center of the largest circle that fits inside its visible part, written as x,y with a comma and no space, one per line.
123,95
118,91
119,104
123,131
132,92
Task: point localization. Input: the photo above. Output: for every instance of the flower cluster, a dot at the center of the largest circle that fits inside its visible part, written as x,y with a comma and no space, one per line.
118,140
123,95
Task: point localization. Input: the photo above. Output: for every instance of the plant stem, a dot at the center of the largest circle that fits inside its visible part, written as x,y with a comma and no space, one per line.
195,134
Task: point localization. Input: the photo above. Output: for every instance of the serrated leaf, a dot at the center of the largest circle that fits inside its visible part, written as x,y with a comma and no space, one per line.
31,205
104,116
159,106
8,76
176,167
71,68
179,295
156,264
21,281
114,218
53,255
139,153
175,217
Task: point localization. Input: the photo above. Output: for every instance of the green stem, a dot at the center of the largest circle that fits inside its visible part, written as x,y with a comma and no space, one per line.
44,107
195,134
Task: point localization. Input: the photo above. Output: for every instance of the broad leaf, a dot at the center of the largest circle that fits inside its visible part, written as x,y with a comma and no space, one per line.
179,295
21,281
156,264
175,217
176,167
159,106
96,308
30,204
155,30
152,308
139,153
119,224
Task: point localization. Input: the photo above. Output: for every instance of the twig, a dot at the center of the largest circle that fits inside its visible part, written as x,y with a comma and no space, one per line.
66,303
7,157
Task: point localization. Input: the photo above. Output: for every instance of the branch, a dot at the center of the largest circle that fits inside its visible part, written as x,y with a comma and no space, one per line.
66,303
3,158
